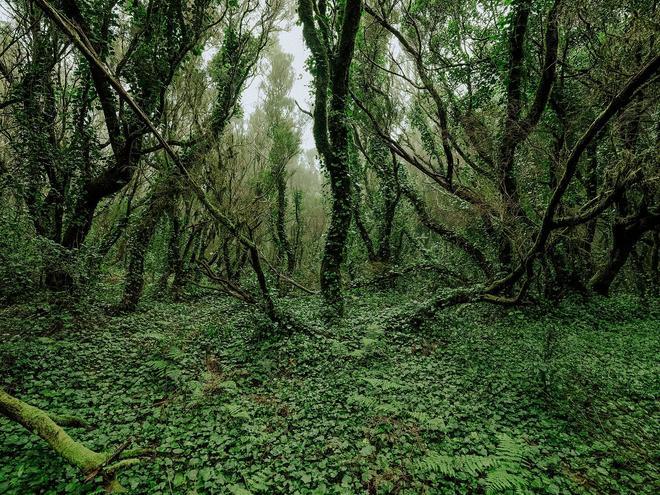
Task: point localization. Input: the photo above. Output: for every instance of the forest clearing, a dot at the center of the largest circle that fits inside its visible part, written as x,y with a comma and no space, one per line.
329,247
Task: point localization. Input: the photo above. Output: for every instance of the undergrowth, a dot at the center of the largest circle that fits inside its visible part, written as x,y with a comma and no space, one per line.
551,400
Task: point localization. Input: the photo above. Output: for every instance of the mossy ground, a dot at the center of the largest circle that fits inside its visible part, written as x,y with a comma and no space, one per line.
574,385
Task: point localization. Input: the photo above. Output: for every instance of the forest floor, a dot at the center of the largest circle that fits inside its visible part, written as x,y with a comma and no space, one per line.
560,400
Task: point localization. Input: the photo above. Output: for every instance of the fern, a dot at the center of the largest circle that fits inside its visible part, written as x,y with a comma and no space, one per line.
357,353
383,384
374,406
152,335
363,401
426,422
175,354
168,365
236,411
502,479
159,366
339,349
385,409
503,471
507,475
509,450
420,416
437,463
238,490
258,482
475,465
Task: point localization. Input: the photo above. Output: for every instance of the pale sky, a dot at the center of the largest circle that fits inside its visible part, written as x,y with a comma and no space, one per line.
291,42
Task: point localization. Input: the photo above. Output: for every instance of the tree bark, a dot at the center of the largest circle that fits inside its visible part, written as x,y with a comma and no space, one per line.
139,241
285,251
331,133
625,234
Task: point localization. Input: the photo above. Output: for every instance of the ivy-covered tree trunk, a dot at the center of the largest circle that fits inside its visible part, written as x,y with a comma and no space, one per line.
285,250
391,197
506,153
340,221
172,254
184,261
386,167
61,121
332,66
39,147
516,125
138,245
140,237
284,141
298,229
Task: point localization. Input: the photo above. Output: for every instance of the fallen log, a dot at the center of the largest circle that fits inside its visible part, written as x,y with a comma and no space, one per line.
90,463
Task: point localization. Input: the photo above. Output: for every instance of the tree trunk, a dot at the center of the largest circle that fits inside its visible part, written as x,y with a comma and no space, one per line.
284,248
139,243
141,236
625,234
172,255
332,65
333,255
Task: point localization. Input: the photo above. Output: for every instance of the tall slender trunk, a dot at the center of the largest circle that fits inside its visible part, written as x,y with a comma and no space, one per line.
340,221
297,233
285,251
172,254
140,238
332,66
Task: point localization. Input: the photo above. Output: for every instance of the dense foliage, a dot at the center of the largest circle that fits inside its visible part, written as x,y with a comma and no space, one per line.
569,393
432,270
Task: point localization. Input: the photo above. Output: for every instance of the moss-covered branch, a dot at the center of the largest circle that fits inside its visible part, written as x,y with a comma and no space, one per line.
40,423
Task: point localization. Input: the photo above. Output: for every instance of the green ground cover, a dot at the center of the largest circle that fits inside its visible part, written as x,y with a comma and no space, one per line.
552,400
